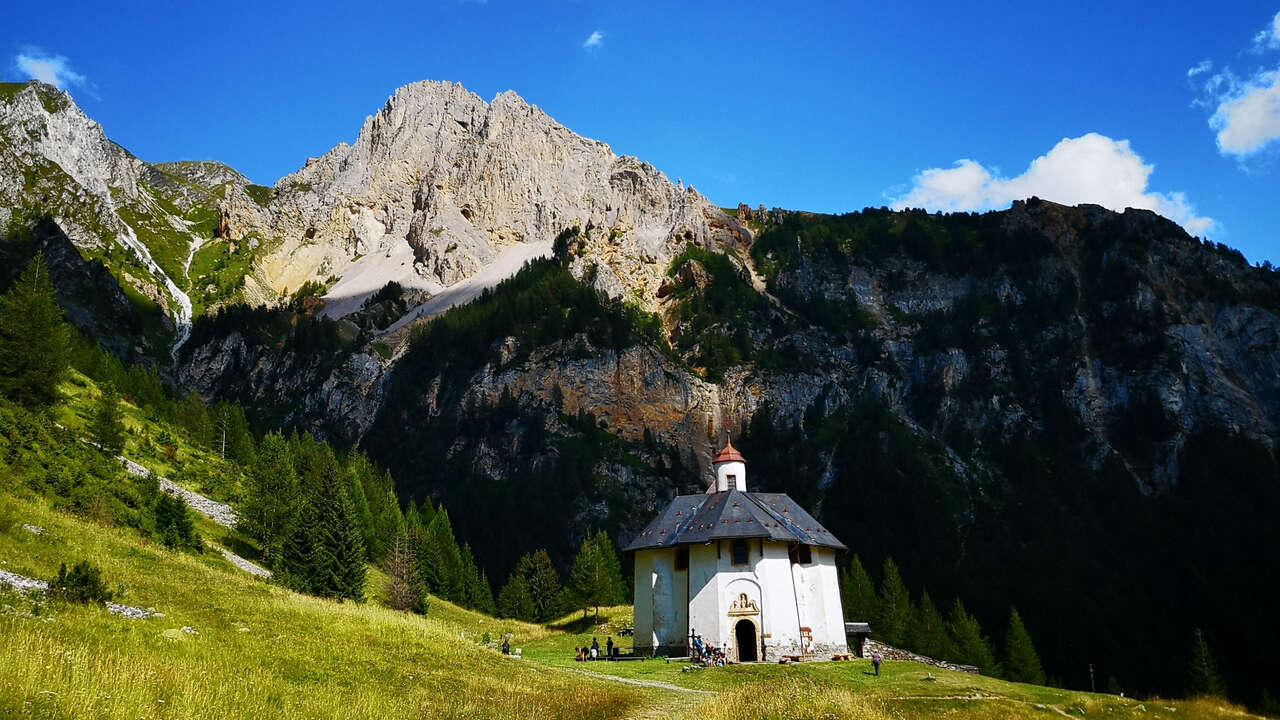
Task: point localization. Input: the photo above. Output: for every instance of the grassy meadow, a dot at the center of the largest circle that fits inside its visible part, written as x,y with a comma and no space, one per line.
256,650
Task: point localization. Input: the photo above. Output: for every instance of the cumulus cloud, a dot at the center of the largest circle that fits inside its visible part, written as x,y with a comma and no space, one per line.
1092,168
53,69
594,41
1246,111
1248,118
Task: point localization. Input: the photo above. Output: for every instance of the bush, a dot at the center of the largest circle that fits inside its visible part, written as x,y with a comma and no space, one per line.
83,584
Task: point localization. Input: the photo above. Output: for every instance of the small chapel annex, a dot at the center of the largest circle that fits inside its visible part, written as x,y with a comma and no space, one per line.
747,570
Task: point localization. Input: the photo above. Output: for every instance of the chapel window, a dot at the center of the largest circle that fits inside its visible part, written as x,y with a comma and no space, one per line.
682,557
801,554
738,552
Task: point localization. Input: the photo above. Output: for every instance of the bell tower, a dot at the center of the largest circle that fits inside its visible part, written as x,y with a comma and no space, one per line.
730,467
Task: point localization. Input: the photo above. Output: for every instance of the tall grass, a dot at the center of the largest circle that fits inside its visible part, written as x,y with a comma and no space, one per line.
259,651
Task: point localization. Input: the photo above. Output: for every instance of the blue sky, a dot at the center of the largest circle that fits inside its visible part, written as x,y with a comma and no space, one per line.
823,106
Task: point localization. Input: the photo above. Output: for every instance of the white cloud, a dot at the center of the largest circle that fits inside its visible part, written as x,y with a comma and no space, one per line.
1092,168
1268,37
1248,118
53,69
594,41
1246,114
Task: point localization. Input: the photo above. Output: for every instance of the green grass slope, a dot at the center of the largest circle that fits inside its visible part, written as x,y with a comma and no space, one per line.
259,651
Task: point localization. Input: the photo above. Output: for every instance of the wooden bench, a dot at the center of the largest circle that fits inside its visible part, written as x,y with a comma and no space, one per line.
842,656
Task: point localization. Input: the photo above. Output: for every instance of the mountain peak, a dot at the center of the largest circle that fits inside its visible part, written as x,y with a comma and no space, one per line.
439,184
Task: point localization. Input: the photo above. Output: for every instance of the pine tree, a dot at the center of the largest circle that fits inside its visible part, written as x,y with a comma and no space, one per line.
272,497
514,600
1021,663
360,509
35,341
476,593
173,522
106,427
929,631
1205,678
542,584
440,560
298,562
972,647
596,577
403,588
894,622
858,594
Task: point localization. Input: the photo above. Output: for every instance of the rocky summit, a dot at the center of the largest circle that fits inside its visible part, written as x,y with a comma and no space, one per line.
440,185
1068,409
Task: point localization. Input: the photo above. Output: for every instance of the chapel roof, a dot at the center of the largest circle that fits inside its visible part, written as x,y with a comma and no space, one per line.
730,515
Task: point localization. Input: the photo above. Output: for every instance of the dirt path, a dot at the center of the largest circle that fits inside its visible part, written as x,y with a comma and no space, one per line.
642,683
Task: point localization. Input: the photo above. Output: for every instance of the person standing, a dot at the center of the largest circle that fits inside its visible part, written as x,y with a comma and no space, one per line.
875,661
506,646
608,647
595,648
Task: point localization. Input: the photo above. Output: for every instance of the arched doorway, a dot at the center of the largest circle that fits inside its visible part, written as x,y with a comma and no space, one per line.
744,636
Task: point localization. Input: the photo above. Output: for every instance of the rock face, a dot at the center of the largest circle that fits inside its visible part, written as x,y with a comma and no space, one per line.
438,183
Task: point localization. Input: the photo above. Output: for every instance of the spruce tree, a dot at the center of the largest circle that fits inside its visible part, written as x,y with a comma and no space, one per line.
1205,678
403,588
35,341
596,576
514,600
929,631
894,623
542,584
360,509
272,497
476,593
106,427
296,567
972,647
1021,663
440,560
858,594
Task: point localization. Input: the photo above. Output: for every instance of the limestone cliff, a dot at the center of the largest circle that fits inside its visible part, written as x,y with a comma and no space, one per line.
438,184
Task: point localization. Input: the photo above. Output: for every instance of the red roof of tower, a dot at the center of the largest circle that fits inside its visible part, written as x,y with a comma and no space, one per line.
729,454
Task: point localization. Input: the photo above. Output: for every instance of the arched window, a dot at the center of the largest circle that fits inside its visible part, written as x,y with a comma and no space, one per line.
738,552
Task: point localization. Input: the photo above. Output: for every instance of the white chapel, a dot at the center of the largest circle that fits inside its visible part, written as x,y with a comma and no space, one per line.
751,571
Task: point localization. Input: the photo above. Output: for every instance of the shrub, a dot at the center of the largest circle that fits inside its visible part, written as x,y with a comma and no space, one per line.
83,584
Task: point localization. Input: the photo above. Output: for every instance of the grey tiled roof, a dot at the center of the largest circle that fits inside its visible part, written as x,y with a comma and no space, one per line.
693,519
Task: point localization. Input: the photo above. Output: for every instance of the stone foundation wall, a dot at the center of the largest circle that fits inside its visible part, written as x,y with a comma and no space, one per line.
889,652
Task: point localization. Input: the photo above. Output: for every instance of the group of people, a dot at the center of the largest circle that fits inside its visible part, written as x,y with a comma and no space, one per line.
707,655
592,652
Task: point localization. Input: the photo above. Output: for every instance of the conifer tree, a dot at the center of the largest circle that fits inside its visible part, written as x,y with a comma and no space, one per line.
35,341
298,554
173,522
440,560
929,631
972,647
1205,678
858,594
272,497
106,427
360,509
894,622
514,600
596,576
476,592
1021,663
403,587
541,583
343,536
